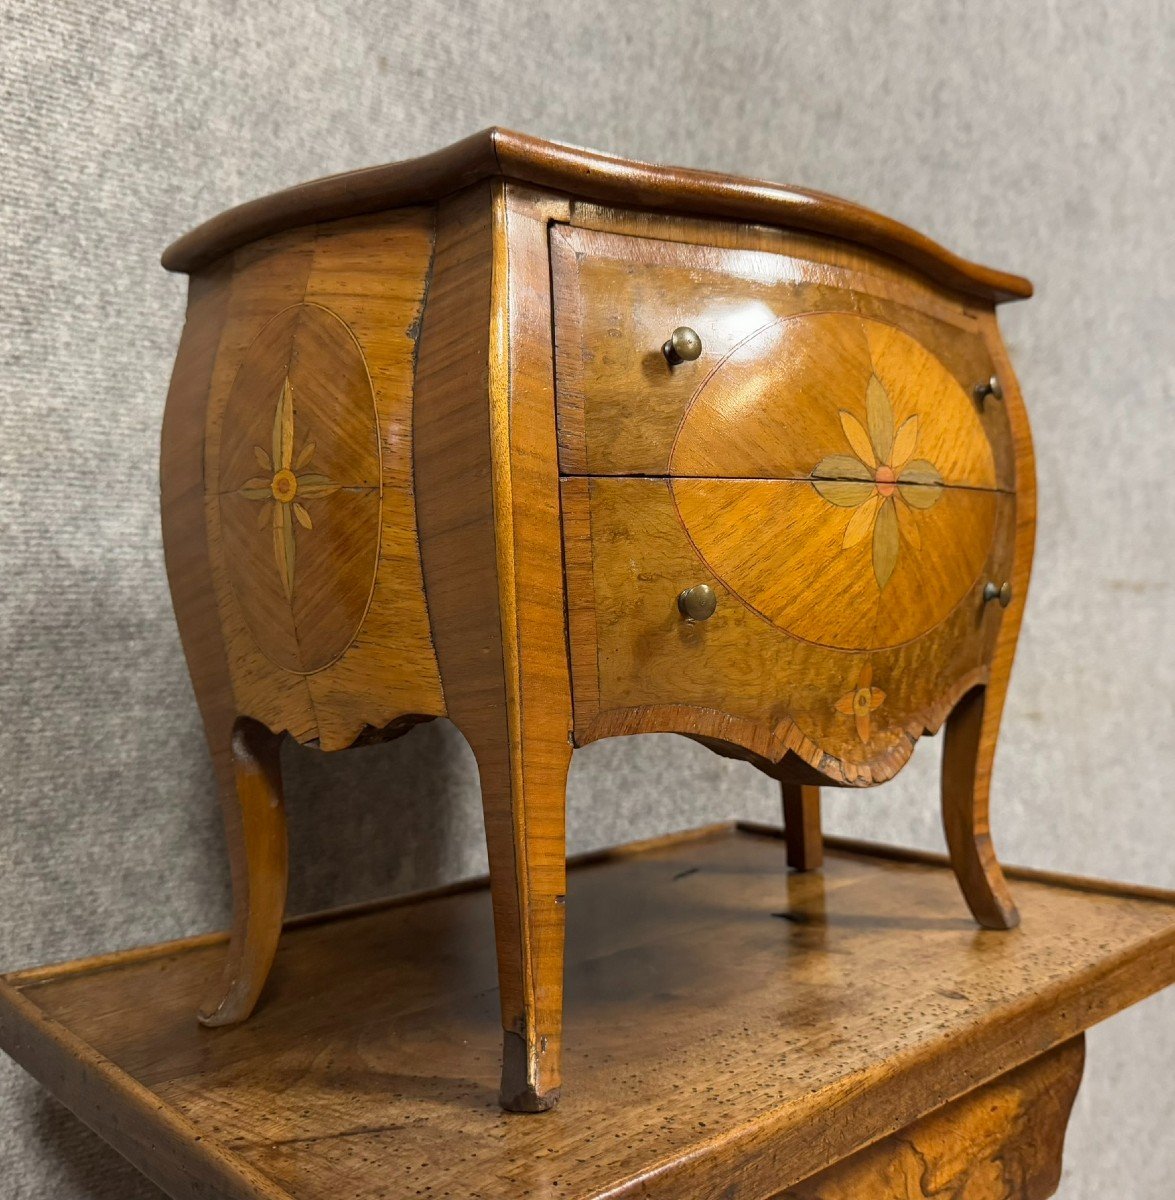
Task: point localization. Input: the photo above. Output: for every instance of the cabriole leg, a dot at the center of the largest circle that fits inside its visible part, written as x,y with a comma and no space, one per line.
524,803
255,825
966,778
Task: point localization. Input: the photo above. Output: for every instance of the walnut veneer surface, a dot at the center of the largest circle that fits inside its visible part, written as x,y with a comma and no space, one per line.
733,1031
430,451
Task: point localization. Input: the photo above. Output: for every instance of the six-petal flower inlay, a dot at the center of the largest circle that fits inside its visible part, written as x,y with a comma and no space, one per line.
881,479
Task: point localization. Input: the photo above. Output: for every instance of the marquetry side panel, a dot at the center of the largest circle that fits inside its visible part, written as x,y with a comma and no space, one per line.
308,479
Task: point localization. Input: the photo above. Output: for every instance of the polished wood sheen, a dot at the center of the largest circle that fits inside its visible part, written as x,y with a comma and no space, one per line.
779,361
732,1031
801,826
740,677
1002,1141
454,438
502,153
489,519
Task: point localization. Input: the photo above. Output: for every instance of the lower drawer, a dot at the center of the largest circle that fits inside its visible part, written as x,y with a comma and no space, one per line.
835,636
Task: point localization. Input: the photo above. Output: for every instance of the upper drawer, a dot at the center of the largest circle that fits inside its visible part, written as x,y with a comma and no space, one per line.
808,370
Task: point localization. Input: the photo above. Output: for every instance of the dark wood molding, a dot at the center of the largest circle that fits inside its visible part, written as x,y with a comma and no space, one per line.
593,176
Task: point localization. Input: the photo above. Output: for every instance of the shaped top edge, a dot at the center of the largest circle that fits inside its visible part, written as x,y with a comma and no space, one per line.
589,175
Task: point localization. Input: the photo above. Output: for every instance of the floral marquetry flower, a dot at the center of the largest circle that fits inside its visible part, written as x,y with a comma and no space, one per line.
862,701
881,480
285,487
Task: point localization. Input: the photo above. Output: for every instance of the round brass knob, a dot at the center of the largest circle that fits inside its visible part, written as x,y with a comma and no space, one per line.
998,591
698,603
683,345
990,387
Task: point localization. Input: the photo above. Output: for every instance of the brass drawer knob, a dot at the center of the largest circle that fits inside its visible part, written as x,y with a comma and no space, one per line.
683,345
698,603
998,591
990,387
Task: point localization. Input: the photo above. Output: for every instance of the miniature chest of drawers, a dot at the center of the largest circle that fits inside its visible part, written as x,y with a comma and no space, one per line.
561,447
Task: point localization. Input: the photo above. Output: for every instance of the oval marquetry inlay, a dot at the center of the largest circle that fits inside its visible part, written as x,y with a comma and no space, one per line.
299,485
835,476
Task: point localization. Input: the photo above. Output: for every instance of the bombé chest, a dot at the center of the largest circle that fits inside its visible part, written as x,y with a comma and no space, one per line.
562,447
832,466
830,470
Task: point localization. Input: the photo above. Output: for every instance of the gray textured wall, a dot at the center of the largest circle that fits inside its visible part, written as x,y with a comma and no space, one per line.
1040,137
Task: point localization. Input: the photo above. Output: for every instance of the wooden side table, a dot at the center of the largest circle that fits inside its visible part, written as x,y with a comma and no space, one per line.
737,1032
561,447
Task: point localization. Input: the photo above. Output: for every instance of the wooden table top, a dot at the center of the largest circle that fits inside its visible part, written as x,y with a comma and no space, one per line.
728,1026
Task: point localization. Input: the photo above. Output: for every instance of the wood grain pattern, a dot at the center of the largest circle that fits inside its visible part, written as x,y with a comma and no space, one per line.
364,445
737,677
299,485
804,389
851,400
349,648
835,574
766,311
489,517
262,889
1002,1141
801,826
265,351
695,969
264,279
540,680
190,577
972,732
498,152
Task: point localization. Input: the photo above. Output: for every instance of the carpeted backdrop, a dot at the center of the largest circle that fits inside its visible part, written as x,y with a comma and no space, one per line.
1037,137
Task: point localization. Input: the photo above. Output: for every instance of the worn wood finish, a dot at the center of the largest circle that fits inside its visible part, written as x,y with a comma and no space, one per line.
262,890
973,729
497,152
801,826
424,456
319,599
738,677
489,494
1002,1141
732,1030
778,355
289,526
